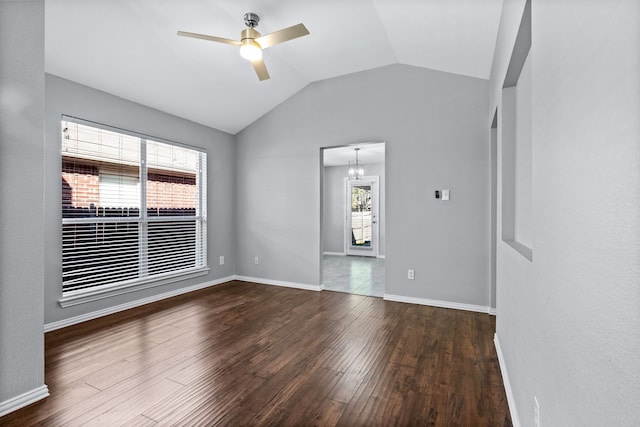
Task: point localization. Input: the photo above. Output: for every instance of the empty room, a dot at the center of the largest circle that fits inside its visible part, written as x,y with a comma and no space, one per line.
342,213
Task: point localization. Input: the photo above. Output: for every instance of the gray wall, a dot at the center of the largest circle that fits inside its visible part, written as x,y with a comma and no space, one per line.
436,137
66,97
568,322
21,189
333,205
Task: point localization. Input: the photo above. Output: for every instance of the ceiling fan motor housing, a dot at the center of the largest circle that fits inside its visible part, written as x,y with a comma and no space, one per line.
249,34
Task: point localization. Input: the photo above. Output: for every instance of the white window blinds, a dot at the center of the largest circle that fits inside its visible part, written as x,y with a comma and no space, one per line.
133,209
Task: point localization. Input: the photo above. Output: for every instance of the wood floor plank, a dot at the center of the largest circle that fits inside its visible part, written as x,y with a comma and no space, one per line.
170,353
411,343
244,354
327,414
67,410
140,421
362,368
298,406
206,402
126,406
391,394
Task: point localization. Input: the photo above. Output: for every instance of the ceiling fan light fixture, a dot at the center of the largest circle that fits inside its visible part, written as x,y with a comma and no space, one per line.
250,50
252,42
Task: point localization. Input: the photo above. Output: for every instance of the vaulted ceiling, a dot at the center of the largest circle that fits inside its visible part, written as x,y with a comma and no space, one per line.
130,48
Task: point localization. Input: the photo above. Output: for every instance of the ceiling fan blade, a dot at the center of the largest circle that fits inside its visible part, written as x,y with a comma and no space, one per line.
283,35
210,38
261,69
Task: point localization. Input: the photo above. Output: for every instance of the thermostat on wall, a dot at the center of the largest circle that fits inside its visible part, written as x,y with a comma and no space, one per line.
445,194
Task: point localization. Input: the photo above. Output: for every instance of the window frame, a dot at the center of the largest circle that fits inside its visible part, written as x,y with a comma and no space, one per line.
97,292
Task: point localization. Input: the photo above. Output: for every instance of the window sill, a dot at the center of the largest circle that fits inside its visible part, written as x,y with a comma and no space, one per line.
85,296
523,250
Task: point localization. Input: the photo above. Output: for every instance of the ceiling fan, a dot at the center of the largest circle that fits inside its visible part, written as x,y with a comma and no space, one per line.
252,42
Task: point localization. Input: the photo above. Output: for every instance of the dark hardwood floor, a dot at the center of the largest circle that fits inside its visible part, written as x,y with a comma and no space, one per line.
247,354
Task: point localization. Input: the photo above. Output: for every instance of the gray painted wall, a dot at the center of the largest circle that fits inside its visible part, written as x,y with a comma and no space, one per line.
69,98
334,206
21,201
568,322
436,137
333,217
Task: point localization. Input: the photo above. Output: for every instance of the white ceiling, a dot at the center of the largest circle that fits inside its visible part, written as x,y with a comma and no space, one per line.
340,156
130,48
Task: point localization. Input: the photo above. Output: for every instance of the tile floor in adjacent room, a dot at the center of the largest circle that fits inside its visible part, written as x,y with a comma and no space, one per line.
353,274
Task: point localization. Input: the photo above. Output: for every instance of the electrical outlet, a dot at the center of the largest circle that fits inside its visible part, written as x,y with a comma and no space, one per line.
536,410
222,260
256,260
410,274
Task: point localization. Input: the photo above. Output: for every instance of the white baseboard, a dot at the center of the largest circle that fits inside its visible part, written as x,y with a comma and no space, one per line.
492,311
507,384
437,303
23,400
279,283
110,310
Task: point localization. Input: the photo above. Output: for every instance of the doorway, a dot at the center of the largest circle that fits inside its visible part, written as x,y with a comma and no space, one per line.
353,221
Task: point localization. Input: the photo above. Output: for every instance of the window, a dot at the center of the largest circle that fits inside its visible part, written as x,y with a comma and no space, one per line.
133,210
515,145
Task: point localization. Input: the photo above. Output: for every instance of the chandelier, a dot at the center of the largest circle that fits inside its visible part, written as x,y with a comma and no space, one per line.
356,169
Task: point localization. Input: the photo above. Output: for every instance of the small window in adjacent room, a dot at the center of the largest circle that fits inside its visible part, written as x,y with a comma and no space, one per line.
133,211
